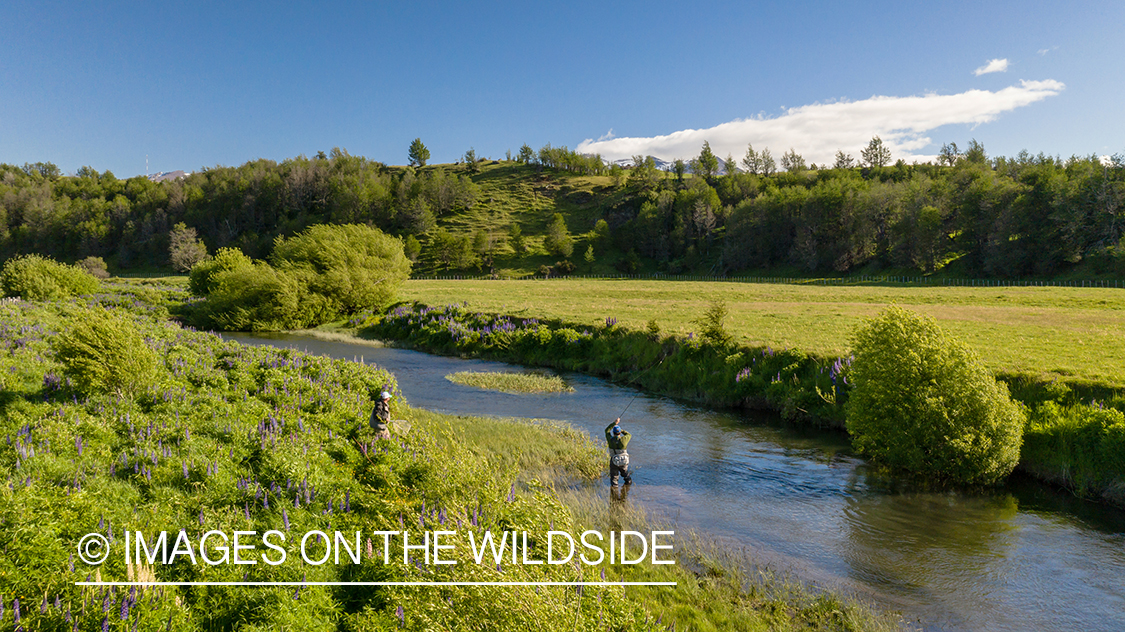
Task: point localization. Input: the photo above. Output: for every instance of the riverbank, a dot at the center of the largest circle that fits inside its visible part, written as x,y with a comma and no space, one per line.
1068,441
228,438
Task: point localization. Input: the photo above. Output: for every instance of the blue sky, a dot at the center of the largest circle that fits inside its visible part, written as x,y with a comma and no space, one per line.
198,84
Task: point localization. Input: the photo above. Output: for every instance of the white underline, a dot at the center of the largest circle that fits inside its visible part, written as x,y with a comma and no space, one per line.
375,584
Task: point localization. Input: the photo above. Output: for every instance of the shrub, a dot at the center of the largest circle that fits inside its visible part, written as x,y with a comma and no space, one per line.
354,267
923,402
259,298
563,268
103,352
1080,446
36,278
203,277
95,266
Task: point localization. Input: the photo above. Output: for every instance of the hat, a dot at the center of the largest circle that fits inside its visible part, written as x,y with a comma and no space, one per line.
385,395
617,430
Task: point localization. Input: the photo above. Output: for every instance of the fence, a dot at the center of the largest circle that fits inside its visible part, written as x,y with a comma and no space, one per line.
856,280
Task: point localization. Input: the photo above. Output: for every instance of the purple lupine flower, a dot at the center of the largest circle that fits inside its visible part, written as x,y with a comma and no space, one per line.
105,624
285,518
401,616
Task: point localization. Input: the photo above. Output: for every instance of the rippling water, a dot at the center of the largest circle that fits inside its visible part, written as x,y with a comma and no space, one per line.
1020,557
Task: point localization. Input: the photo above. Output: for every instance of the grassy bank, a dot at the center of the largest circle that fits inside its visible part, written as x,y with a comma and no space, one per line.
233,438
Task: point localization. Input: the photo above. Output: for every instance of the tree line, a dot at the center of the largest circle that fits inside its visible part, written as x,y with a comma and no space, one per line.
1002,217
999,217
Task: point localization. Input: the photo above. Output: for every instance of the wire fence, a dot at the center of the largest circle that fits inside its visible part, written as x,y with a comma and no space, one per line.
841,281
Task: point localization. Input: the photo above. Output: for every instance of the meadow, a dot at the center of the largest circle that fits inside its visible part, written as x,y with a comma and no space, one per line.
225,437
1074,335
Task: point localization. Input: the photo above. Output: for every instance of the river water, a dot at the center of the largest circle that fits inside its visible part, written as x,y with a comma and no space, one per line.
1018,557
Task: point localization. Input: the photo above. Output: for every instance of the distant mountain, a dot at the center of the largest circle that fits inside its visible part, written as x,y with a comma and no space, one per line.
627,163
167,175
663,165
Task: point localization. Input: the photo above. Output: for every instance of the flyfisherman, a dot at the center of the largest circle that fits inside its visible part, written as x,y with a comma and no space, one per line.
381,416
617,440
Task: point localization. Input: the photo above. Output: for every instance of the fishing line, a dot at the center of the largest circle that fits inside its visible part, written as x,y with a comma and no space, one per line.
634,381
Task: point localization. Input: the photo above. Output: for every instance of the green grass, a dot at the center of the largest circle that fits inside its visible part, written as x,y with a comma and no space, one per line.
1072,334
228,438
511,382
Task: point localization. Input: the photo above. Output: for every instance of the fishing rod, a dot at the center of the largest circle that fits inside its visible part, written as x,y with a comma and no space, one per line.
638,393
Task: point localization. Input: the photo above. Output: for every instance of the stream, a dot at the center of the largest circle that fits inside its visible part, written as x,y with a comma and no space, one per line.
1022,556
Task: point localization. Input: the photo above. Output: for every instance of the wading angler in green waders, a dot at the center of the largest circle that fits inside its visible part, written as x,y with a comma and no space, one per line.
617,440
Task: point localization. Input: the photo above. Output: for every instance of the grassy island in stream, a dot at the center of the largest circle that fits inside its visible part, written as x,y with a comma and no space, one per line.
511,382
229,438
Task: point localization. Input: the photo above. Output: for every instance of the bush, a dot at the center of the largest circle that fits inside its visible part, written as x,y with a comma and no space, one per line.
259,298
354,267
924,403
95,266
102,352
203,277
1079,446
36,278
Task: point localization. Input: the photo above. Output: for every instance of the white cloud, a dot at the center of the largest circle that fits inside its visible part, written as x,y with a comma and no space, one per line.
993,65
1044,51
816,131
606,136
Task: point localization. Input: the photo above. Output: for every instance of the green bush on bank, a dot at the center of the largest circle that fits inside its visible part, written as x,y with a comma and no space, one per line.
924,403
352,266
37,278
205,275
316,276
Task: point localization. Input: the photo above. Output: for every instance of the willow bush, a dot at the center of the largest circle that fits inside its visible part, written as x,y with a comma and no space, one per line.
923,402
37,278
102,352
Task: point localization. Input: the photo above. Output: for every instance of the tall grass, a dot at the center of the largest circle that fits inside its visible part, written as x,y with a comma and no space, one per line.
511,382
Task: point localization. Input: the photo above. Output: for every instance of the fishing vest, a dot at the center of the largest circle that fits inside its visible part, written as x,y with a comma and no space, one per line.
619,458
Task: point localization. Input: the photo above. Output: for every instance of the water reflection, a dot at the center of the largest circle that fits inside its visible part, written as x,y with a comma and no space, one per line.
1022,557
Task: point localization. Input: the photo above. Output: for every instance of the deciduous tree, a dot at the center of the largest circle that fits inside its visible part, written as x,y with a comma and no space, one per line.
876,154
